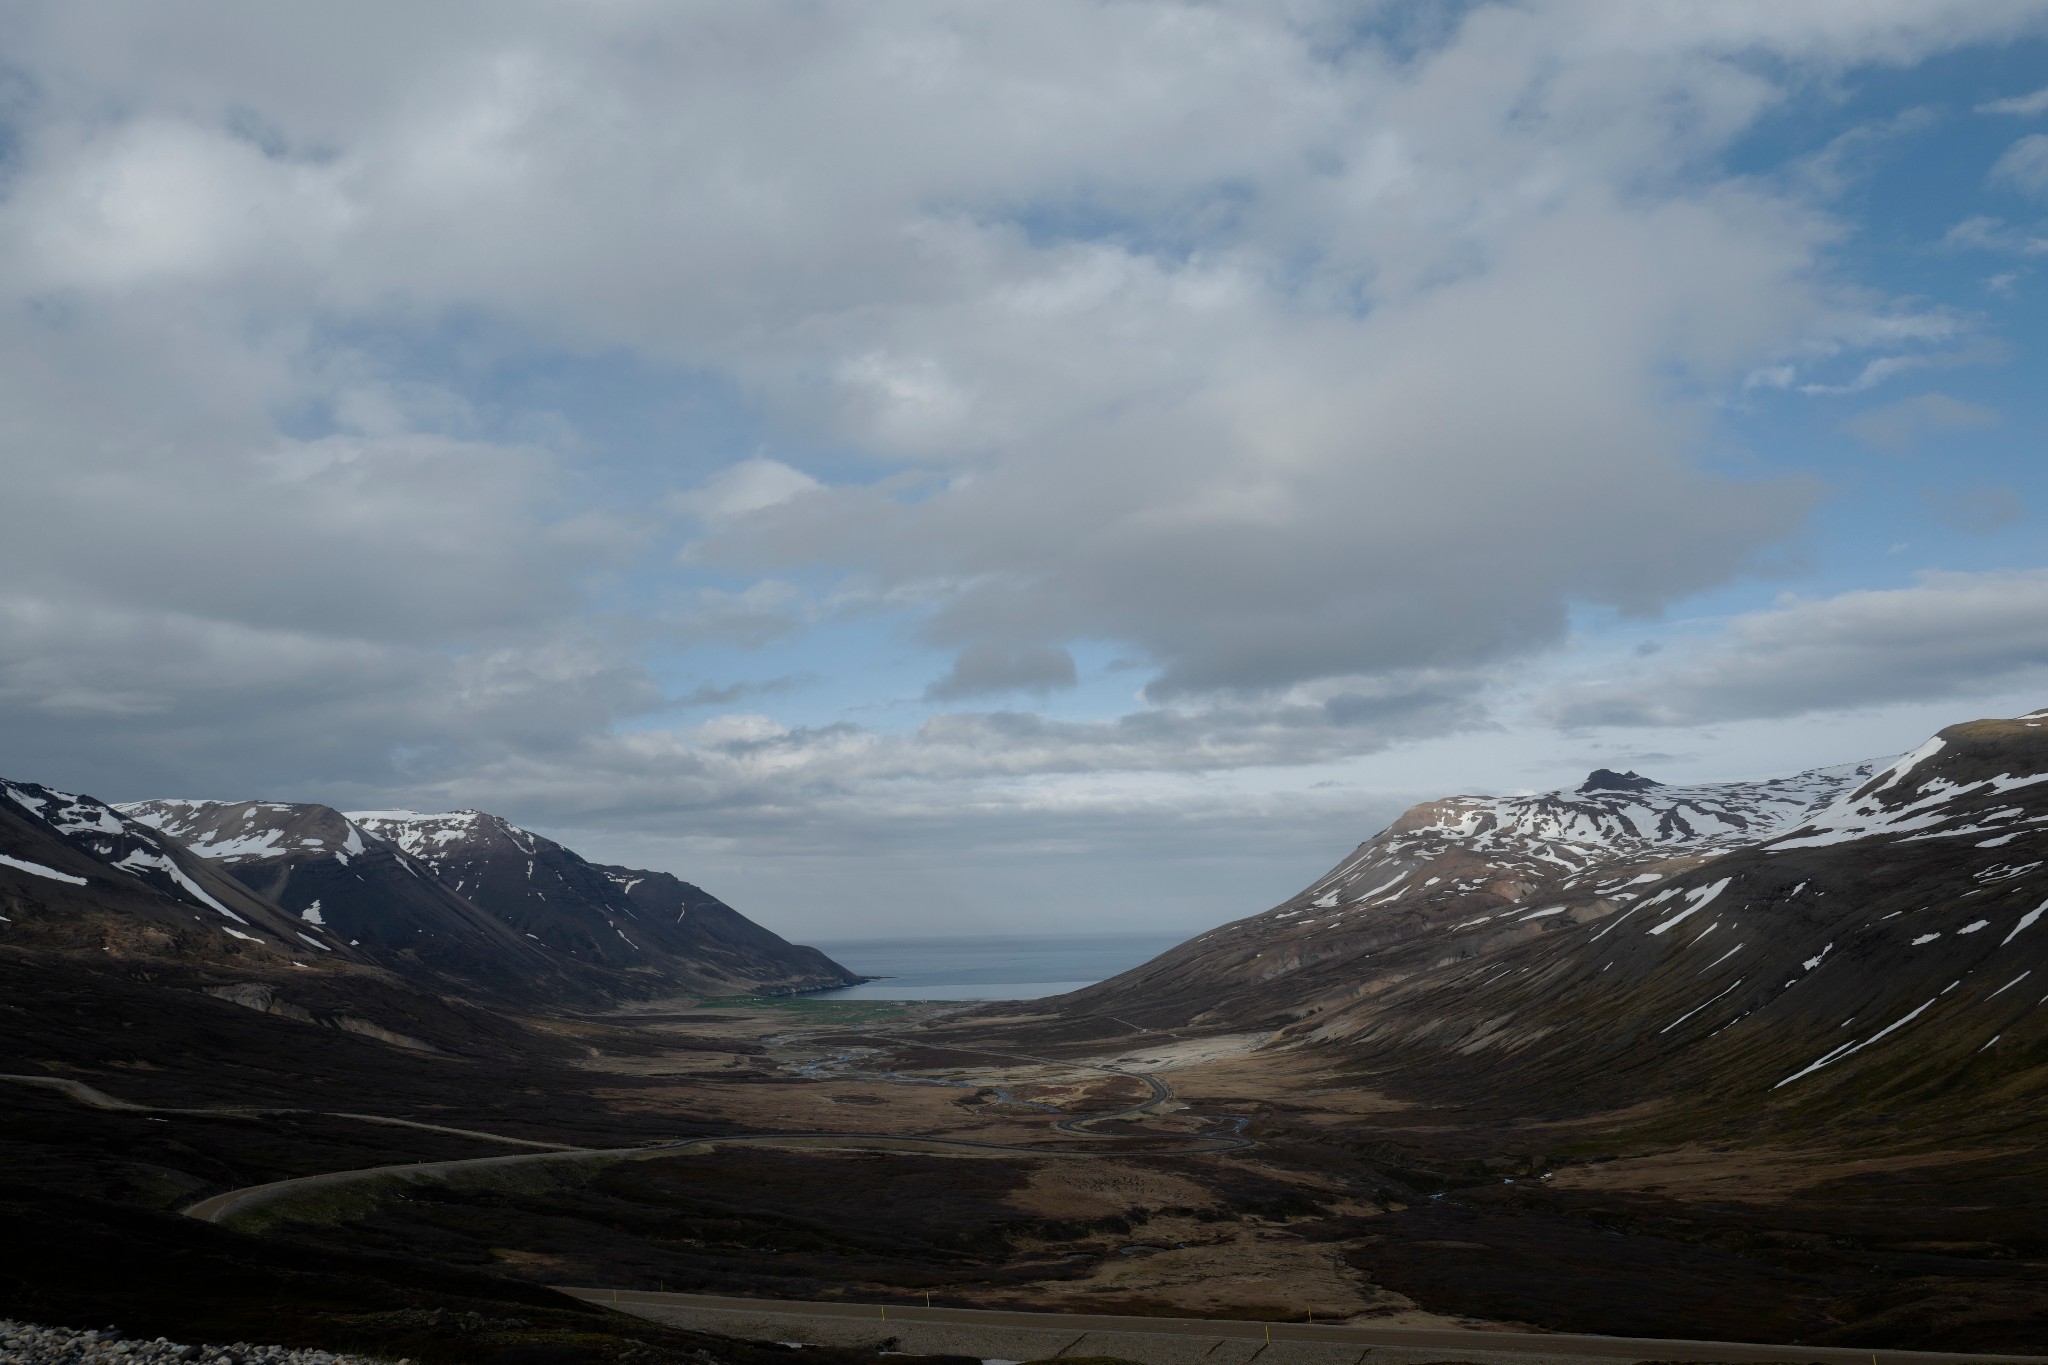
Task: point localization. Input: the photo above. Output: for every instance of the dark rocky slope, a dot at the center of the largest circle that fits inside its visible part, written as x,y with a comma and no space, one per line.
333,876
648,925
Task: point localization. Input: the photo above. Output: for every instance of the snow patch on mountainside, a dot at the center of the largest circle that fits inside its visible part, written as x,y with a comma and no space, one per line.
426,835
245,831
37,869
68,814
143,861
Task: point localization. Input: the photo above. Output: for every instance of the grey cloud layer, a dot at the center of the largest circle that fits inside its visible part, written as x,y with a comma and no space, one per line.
1952,634
1368,365
739,766
983,669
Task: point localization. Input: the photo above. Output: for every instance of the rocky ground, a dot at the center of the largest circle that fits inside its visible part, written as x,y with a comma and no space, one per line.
29,1343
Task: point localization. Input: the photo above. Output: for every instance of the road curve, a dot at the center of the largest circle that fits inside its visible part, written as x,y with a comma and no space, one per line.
215,1208
218,1207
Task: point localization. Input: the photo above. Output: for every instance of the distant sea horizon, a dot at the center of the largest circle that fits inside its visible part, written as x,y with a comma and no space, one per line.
991,967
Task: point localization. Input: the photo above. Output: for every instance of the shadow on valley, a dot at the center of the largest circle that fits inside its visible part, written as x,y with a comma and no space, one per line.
875,1227
89,1233
91,1240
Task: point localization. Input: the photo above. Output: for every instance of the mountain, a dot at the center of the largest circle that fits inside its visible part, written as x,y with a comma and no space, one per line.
99,907
78,873
657,929
330,874
1866,930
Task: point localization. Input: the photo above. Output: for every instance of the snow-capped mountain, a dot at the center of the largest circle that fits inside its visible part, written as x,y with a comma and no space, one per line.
490,910
331,874
75,871
113,923
648,923
1876,923
1439,852
301,914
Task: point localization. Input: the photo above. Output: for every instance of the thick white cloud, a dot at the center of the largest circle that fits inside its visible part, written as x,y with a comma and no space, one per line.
1428,484
749,486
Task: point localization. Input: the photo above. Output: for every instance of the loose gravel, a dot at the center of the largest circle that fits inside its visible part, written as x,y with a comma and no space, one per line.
26,1343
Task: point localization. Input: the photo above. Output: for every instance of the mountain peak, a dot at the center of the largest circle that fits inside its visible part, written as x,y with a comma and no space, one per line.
1608,780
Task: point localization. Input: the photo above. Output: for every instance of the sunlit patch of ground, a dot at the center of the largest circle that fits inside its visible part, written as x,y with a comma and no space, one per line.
1098,1189
1227,1268
1168,1053
1173,1260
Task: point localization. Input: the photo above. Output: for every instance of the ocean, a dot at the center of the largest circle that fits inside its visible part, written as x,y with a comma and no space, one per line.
1008,967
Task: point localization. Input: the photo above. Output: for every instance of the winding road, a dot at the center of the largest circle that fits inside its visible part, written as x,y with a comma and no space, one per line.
218,1207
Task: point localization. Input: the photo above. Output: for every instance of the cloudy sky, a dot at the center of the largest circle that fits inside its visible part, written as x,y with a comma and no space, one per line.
942,468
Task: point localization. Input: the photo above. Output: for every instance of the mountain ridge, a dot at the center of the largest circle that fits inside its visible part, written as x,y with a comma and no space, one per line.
322,867
362,877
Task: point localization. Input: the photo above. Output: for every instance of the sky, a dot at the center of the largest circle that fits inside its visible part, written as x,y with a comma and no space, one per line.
943,468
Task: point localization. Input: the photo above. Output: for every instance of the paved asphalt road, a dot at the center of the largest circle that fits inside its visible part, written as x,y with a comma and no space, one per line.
216,1208
1181,1341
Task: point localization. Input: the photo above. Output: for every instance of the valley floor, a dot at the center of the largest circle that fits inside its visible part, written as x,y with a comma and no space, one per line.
1232,1183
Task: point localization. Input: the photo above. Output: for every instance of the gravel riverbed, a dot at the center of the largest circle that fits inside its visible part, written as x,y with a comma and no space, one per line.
27,1343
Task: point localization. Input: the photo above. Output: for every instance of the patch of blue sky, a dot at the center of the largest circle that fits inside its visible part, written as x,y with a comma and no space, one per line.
834,671
1934,459
868,670
1193,220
